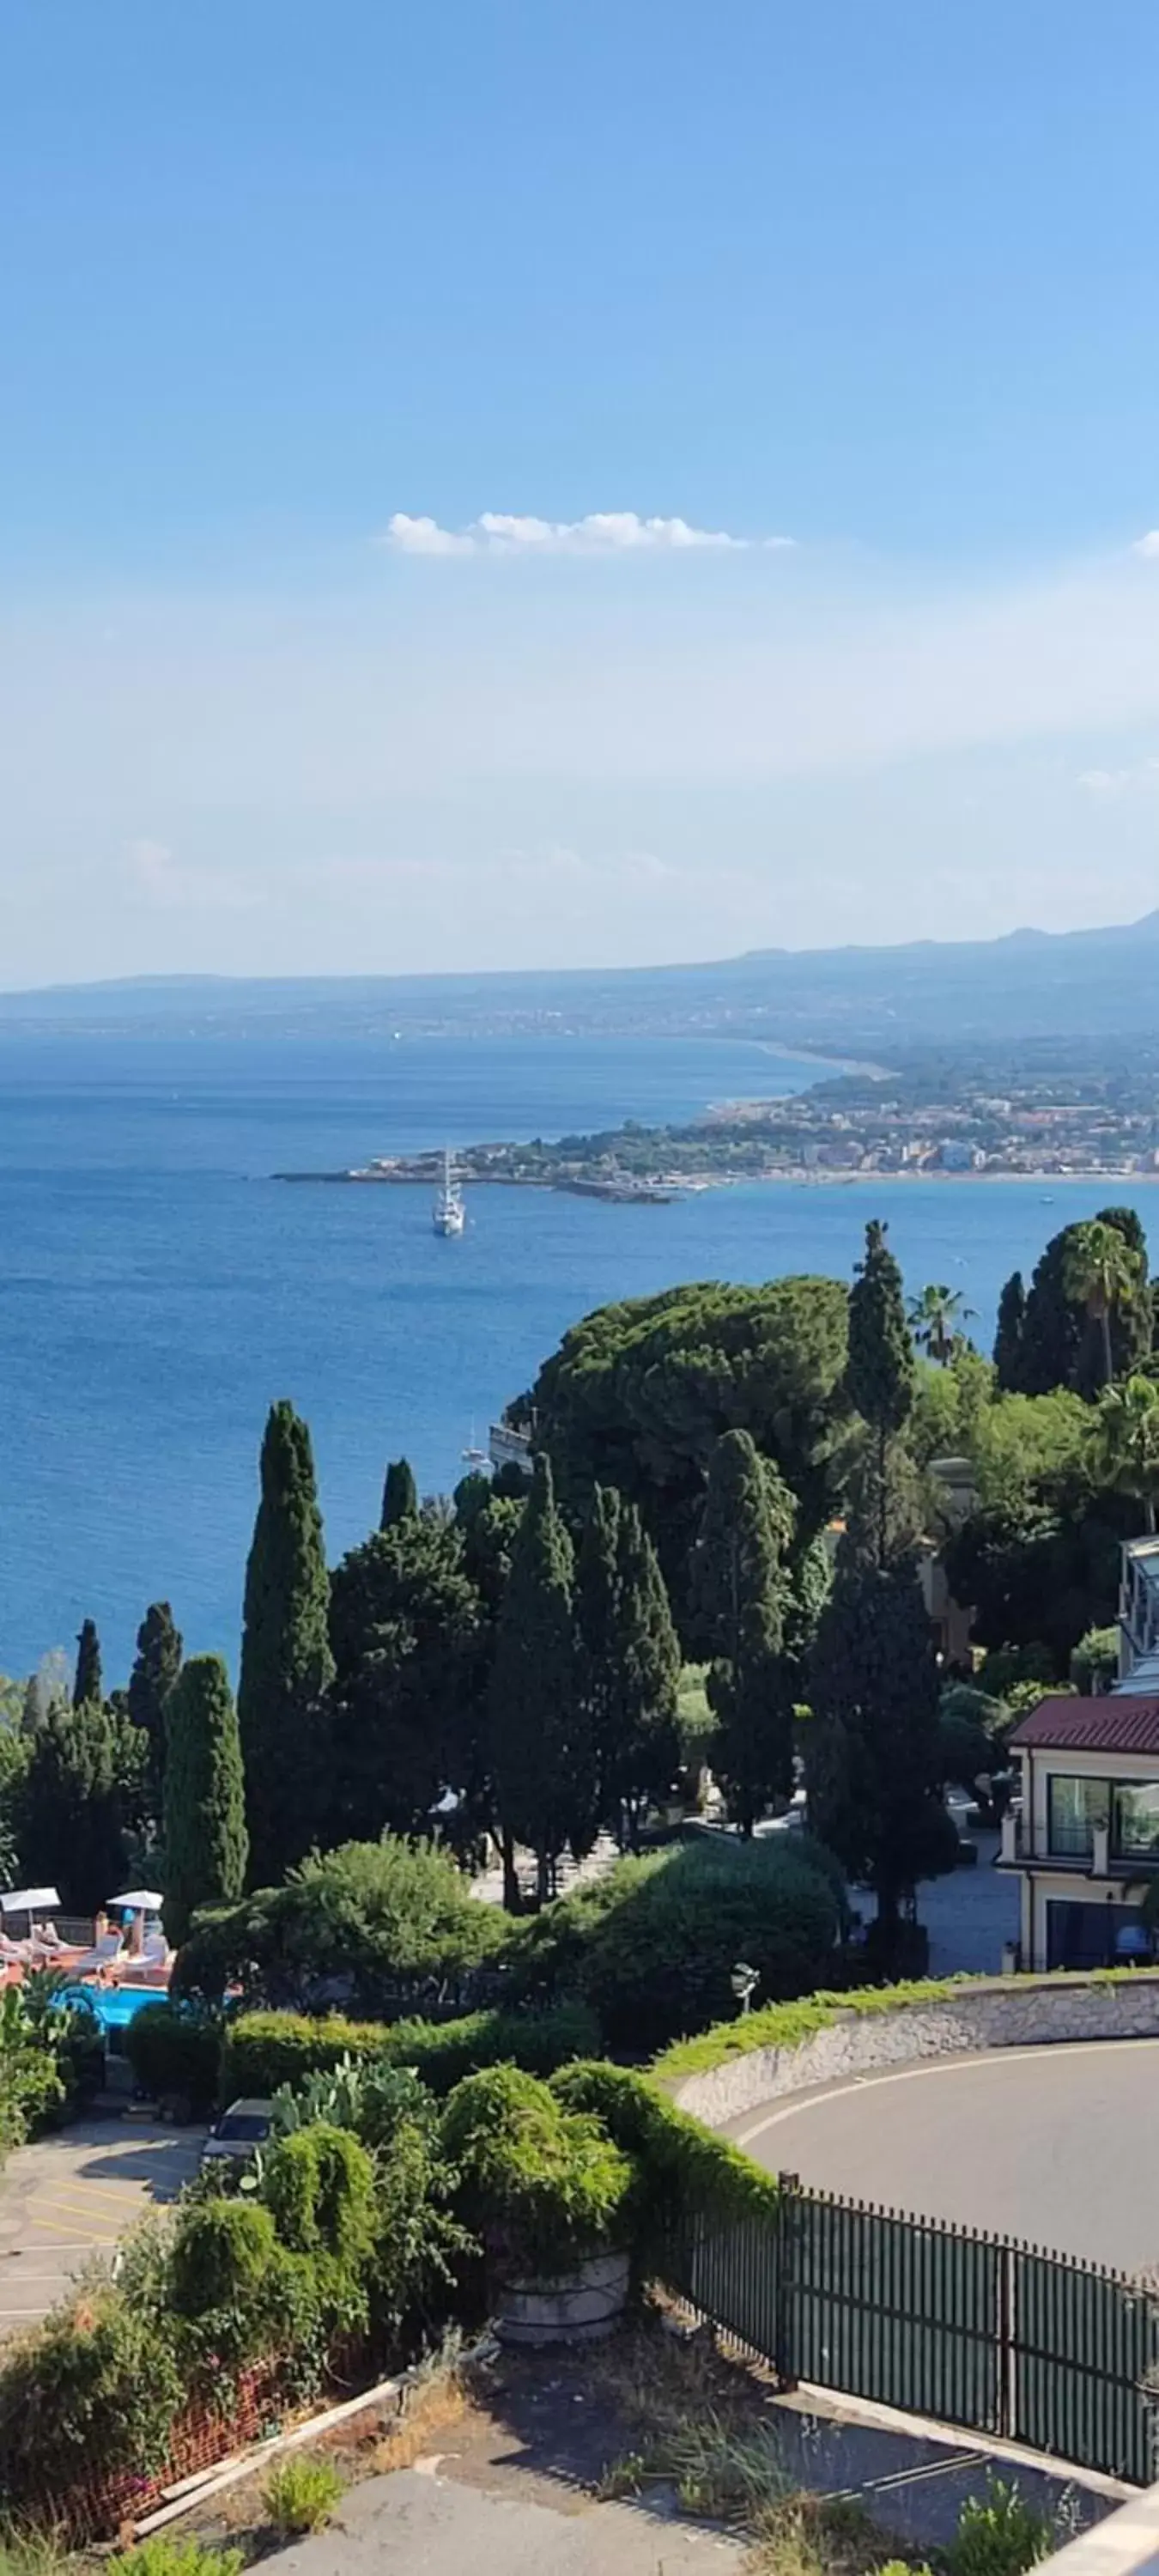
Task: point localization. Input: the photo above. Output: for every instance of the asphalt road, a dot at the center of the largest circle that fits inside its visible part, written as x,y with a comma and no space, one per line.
1056,2145
69,2197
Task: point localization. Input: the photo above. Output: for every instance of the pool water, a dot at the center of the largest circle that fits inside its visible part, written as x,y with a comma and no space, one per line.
115,2005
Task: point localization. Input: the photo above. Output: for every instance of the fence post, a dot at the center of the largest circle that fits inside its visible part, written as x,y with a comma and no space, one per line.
1007,2426
788,2208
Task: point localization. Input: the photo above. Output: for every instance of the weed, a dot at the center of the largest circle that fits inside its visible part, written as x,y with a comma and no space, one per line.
165,2555
622,2477
999,2534
300,2495
25,2551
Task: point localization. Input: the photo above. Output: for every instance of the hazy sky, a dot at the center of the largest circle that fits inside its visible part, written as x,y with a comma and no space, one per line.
522,484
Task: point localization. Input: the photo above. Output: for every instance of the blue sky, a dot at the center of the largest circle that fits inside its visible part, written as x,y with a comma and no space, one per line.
277,280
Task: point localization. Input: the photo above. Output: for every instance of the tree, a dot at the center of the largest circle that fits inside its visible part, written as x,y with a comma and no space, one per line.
873,1755
69,1808
1009,1335
286,1663
629,1658
1062,1342
1125,1443
935,1319
404,1619
87,1685
206,1843
1102,1272
741,1594
637,1395
150,1682
542,1755
881,1372
400,1494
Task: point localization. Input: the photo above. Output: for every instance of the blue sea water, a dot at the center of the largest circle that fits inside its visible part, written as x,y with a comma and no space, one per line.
158,1287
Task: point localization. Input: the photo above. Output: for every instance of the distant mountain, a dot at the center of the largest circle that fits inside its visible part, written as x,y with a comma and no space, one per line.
1032,984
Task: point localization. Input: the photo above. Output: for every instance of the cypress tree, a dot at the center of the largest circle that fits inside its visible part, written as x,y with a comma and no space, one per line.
1008,1338
88,1688
872,1746
881,1370
150,1682
286,1664
629,1659
741,1592
206,1843
541,1750
69,1806
400,1494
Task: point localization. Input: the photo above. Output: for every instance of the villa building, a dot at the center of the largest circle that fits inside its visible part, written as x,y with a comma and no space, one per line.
1086,1842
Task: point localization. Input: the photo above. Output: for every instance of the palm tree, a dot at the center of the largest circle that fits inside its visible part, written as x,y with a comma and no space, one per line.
1101,1271
934,1318
1125,1443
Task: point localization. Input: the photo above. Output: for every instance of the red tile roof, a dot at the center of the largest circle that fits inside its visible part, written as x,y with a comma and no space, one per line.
1107,1725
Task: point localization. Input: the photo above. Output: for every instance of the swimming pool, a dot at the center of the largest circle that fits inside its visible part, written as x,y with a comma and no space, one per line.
114,2005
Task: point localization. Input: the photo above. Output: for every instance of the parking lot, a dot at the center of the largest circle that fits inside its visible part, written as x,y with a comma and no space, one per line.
67,2198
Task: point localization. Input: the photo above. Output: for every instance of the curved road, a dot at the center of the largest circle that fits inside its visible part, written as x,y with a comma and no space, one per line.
1057,2145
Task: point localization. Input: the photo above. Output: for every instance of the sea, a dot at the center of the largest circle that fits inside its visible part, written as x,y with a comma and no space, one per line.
158,1287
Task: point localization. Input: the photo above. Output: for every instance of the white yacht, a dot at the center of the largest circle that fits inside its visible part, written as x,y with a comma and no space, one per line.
448,1215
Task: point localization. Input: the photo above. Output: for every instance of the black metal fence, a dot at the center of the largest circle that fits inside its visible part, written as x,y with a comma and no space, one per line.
975,2330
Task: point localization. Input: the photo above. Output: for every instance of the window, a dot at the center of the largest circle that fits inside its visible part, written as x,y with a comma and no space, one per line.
1075,1807
1135,1819
1093,1936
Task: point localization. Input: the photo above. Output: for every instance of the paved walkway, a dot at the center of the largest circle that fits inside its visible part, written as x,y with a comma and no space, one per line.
419,2519
72,2196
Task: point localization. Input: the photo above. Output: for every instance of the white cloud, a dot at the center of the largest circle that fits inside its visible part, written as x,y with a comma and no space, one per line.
602,532
1148,546
1120,782
163,881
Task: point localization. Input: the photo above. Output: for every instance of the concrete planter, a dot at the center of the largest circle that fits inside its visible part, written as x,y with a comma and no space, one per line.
580,2307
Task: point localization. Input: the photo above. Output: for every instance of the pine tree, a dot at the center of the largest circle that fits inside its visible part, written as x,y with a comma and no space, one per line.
206,1843
541,1750
881,1371
150,1682
1008,1338
400,1494
286,1663
88,1688
872,1746
741,1591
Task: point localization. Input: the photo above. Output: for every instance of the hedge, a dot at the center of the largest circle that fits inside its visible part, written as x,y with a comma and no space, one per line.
174,2051
684,2169
265,2049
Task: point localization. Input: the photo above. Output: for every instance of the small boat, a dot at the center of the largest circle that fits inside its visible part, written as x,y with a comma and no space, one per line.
448,1215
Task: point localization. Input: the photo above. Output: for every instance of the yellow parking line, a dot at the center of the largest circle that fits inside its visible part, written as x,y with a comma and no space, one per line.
53,2218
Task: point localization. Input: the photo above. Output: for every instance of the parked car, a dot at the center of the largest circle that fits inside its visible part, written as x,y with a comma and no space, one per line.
240,2130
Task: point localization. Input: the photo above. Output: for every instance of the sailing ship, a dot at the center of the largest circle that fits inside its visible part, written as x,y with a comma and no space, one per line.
448,1215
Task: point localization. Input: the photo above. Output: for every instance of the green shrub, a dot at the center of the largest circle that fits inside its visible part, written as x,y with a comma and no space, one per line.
319,2185
97,2382
999,2534
682,2168
173,2050
222,2256
237,2294
395,1920
264,2051
165,2555
652,1946
545,2186
300,2495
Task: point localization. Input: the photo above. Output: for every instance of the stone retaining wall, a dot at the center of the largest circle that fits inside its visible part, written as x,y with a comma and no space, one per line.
1015,2012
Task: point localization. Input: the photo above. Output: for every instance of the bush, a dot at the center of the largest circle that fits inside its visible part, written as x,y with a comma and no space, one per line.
222,2256
999,2534
300,2495
236,2295
390,1926
545,2186
319,2185
164,2555
173,2050
683,2169
653,1945
97,2383
263,2051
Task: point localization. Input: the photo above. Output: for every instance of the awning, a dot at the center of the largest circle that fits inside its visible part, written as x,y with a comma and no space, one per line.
29,1900
140,1900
